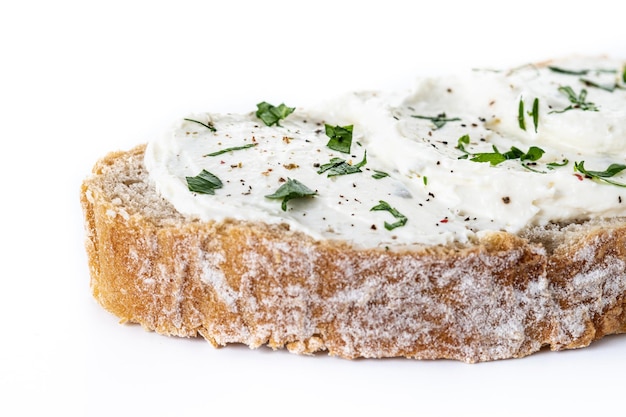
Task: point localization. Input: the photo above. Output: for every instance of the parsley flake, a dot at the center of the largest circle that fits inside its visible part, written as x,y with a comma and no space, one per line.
584,71
560,70
271,115
379,174
553,165
290,190
578,101
208,125
606,87
439,121
496,157
234,148
203,183
460,145
338,166
384,206
521,116
534,153
340,138
535,113
601,176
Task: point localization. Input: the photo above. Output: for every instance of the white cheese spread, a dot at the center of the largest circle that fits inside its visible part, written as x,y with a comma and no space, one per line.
430,142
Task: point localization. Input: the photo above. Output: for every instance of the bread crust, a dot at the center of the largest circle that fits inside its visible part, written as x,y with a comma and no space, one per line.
505,296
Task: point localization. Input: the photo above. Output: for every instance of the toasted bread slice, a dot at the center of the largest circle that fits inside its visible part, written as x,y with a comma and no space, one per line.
505,296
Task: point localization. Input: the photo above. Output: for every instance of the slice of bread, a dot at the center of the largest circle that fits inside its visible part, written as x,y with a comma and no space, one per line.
504,296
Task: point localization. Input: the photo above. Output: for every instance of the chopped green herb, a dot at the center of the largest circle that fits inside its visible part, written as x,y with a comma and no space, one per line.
601,176
578,101
568,72
235,148
520,114
581,71
535,113
534,154
335,164
553,165
290,190
204,183
384,206
496,157
338,166
605,87
624,75
460,145
463,140
425,180
340,138
208,125
271,115
379,174
439,121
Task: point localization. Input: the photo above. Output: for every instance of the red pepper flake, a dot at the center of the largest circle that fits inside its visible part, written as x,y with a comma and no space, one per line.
444,220
580,177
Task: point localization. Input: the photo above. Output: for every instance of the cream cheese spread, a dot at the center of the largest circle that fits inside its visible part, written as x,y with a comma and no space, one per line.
463,155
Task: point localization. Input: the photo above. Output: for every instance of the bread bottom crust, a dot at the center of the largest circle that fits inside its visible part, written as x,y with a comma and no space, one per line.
259,284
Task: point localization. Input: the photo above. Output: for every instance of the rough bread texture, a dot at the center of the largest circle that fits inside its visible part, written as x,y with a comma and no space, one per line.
234,282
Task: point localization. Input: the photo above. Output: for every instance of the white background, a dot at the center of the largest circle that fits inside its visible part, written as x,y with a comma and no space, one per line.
79,79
